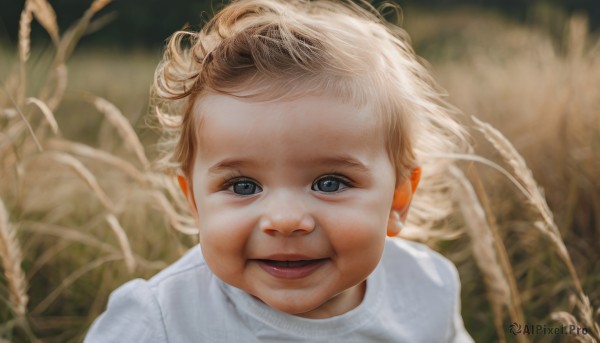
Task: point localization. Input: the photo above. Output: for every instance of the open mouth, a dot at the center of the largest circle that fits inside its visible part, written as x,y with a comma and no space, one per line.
291,269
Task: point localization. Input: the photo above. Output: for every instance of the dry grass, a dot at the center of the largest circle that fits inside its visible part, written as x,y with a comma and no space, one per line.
88,212
480,233
56,184
10,254
116,118
541,91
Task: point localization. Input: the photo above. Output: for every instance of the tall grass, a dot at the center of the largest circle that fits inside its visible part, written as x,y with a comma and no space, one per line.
539,87
82,210
86,216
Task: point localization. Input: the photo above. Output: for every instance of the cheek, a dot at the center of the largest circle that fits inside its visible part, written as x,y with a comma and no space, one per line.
223,237
358,234
222,221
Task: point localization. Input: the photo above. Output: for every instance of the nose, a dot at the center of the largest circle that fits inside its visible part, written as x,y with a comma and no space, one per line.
285,213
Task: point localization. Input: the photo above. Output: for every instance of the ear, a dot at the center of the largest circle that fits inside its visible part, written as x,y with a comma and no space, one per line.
402,198
186,188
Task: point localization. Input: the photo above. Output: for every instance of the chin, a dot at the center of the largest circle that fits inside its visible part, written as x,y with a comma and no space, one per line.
301,308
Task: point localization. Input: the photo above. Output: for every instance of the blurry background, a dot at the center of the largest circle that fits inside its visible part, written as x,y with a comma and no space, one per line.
529,68
138,24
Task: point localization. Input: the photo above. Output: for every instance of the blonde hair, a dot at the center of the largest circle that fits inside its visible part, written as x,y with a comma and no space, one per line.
287,49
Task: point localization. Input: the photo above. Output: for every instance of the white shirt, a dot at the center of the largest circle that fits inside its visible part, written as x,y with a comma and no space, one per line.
412,296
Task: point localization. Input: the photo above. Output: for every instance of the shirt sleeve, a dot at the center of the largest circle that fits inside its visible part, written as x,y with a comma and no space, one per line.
132,315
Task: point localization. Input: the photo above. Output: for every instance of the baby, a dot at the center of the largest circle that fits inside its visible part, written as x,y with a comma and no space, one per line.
298,129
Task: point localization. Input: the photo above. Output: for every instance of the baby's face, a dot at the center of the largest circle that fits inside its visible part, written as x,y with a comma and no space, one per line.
293,199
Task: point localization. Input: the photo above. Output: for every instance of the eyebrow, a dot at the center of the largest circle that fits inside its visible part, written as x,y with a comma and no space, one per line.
335,161
229,164
341,161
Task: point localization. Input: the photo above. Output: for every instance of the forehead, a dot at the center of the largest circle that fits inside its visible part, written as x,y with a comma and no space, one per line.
301,128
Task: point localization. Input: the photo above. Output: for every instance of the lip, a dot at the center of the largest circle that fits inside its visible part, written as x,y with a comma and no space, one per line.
290,267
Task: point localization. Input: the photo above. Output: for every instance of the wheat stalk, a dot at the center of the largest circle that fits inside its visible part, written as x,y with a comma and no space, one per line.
98,155
586,313
123,241
10,254
536,198
482,243
569,319
586,319
515,305
25,33
533,193
85,174
24,51
74,33
481,160
97,5
52,93
47,112
15,129
45,15
118,120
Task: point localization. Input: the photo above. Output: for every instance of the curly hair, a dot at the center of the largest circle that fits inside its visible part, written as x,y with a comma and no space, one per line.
266,50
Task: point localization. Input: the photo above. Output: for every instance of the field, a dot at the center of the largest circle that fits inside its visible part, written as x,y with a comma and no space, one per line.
82,209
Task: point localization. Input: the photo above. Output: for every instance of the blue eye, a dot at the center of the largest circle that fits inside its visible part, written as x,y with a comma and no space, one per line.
245,187
330,184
